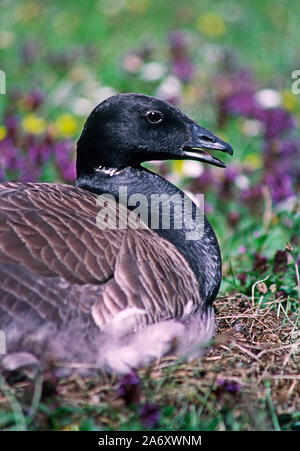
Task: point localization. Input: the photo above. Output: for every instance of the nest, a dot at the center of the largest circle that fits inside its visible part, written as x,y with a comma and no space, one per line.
251,371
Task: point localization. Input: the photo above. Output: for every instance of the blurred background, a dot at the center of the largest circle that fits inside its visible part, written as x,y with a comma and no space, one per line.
228,64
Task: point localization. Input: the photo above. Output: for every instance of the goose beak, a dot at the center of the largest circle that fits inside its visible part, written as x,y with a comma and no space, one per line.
202,140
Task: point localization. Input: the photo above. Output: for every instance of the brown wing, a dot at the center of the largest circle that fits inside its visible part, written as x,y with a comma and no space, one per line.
57,263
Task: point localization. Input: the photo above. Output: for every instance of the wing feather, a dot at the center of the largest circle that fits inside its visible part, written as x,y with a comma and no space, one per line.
56,263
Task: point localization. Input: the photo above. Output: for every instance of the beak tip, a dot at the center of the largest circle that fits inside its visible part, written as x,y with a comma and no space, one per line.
202,139
229,149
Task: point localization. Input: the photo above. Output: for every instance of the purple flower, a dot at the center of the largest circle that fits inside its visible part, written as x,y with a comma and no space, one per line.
260,263
181,64
178,39
28,172
38,154
229,385
277,121
243,103
289,148
231,173
280,185
282,167
236,95
8,155
203,182
69,172
149,415
129,389
63,152
11,123
182,68
280,261
242,277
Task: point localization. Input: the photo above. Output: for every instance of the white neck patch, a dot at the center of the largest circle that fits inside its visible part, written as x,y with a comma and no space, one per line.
107,171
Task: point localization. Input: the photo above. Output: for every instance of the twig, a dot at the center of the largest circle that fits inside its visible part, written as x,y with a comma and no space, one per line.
291,345
251,315
246,351
295,377
280,307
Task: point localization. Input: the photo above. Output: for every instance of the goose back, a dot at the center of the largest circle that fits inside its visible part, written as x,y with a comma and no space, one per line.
58,267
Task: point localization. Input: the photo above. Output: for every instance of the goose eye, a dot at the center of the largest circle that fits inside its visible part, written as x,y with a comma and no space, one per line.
154,117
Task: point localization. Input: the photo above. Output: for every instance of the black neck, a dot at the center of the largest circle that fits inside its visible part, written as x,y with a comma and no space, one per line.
203,255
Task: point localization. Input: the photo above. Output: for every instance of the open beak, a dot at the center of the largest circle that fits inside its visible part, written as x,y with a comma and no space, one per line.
202,140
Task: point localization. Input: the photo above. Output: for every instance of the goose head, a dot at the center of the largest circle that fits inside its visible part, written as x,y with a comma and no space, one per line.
129,129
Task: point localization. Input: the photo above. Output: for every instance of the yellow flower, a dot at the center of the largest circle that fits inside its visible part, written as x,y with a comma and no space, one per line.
177,166
289,100
66,125
253,161
33,124
211,24
3,132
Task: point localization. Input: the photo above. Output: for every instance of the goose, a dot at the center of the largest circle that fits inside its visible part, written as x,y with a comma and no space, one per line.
79,288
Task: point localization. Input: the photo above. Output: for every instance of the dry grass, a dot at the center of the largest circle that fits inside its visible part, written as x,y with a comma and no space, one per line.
260,348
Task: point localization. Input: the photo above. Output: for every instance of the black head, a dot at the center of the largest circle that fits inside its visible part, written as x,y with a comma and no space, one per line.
128,129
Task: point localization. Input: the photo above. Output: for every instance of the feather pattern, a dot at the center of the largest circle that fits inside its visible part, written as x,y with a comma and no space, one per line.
57,265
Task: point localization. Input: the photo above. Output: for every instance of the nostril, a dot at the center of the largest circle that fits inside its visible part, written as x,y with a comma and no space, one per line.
207,138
